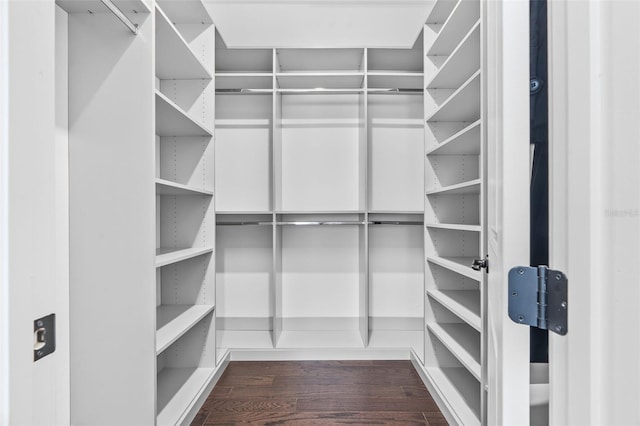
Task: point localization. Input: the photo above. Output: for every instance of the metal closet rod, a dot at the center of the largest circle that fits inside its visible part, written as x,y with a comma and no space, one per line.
280,90
121,16
332,222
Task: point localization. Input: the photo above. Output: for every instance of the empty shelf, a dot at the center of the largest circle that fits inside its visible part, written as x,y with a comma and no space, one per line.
441,11
167,256
460,265
166,187
464,303
244,339
172,321
171,120
463,342
174,57
463,62
460,391
455,227
463,104
470,187
461,19
178,391
465,142
328,80
398,80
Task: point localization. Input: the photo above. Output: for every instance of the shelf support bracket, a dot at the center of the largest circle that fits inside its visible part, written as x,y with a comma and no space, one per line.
121,16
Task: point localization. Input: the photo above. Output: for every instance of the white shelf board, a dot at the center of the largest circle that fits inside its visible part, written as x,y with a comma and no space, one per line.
469,187
460,391
441,11
463,104
395,80
301,60
464,303
463,342
320,339
167,256
171,120
178,390
244,339
459,265
185,11
325,80
462,18
231,80
172,321
465,142
455,227
174,57
167,187
464,61
96,6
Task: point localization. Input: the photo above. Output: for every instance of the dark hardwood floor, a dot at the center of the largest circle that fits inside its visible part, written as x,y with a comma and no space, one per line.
320,392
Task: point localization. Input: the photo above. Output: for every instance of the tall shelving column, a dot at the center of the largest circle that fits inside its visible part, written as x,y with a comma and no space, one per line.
244,243
185,222
453,208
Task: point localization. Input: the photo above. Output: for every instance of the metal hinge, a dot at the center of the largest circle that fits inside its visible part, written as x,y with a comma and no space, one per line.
538,298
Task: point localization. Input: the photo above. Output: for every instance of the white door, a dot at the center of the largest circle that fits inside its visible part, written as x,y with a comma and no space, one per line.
34,218
507,173
594,75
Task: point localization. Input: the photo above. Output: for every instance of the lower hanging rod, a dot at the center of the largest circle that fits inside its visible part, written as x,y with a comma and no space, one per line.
121,16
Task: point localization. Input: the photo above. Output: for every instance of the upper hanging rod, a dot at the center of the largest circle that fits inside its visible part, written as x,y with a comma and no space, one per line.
244,90
121,16
306,223
395,90
243,223
394,222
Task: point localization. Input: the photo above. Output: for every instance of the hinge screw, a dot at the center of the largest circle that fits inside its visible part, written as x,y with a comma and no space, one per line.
40,323
520,318
514,294
521,271
564,305
39,353
558,277
558,328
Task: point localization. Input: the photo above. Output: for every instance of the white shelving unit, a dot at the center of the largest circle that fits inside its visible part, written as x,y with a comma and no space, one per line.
454,213
185,213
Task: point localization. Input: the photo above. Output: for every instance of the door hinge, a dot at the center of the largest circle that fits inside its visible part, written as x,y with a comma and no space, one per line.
538,298
44,336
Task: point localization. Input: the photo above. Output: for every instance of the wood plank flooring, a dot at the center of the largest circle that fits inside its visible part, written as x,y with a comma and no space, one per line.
320,392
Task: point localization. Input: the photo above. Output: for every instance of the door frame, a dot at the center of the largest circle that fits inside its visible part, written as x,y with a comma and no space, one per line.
594,199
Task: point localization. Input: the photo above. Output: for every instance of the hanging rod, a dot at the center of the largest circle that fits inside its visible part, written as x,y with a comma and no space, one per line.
394,222
320,90
396,90
308,223
243,223
121,16
244,91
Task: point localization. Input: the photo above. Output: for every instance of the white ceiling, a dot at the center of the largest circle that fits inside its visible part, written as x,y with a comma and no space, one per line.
318,23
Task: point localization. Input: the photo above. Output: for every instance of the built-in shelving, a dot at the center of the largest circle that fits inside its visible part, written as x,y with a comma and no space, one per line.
174,121
460,265
167,256
166,187
463,342
461,390
128,7
470,187
464,303
464,15
463,142
463,105
173,321
462,63
177,388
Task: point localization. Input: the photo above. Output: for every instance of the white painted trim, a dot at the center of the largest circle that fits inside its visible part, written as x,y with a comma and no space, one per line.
191,413
318,354
440,400
4,212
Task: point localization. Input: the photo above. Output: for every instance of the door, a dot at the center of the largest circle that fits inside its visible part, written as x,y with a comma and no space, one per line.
507,206
34,214
594,76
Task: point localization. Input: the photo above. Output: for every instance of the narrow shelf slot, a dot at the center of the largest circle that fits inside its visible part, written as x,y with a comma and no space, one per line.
174,57
171,120
411,82
327,80
455,227
470,187
465,142
441,11
460,390
463,62
178,390
459,265
166,187
463,342
463,303
167,256
173,321
463,104
247,82
461,19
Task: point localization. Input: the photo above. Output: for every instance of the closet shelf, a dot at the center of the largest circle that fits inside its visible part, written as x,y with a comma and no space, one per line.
96,6
185,12
322,80
470,187
320,91
464,16
167,256
460,391
465,142
459,265
173,321
178,391
464,61
171,120
463,104
244,339
462,342
174,57
441,11
455,227
244,223
167,187
242,91
464,303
